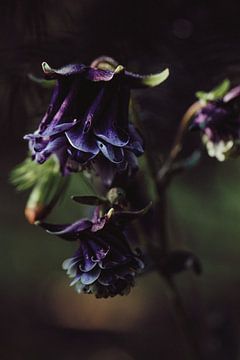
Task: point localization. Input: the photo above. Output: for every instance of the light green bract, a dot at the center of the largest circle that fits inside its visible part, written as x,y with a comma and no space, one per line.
46,182
28,173
47,84
217,93
155,79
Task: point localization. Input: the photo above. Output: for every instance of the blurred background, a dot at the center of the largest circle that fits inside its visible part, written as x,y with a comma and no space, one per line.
41,317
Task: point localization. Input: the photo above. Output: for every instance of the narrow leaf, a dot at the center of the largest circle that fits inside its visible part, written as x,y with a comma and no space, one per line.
89,200
127,216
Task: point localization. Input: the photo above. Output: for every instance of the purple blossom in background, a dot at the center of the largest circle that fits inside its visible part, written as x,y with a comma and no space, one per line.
104,263
87,121
219,122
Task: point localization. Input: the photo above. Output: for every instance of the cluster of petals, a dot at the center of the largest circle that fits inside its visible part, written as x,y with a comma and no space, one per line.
104,264
219,122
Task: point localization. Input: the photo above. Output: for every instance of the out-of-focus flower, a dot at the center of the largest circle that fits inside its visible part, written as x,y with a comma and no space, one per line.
104,263
219,122
46,183
86,123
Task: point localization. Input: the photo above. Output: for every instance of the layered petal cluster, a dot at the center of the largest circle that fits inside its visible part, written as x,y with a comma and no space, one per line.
87,122
104,263
219,122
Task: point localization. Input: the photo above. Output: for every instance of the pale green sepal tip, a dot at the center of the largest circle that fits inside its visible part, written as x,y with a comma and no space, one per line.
46,68
118,69
217,93
49,84
155,79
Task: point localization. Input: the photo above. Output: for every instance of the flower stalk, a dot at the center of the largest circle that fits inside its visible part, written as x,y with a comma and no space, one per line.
161,249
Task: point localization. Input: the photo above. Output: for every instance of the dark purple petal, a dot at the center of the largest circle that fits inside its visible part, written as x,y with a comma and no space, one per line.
82,140
99,224
59,93
68,231
113,127
123,107
91,276
71,69
36,142
99,248
80,136
112,153
135,143
96,214
78,69
86,263
212,114
99,74
65,110
107,278
114,258
53,130
126,270
52,147
111,134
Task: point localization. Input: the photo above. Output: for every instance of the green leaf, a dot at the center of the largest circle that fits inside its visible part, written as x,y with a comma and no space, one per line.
127,216
47,84
89,200
44,196
155,79
47,186
29,173
217,93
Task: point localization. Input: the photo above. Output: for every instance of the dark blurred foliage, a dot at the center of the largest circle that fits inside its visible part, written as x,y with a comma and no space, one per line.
41,318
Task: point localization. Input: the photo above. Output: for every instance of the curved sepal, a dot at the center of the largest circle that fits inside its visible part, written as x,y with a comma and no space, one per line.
47,84
67,70
141,81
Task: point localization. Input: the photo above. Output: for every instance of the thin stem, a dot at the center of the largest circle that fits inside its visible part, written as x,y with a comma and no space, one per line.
161,210
177,144
190,343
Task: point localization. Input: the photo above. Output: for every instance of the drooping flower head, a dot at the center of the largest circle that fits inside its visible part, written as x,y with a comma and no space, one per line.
219,122
87,122
104,264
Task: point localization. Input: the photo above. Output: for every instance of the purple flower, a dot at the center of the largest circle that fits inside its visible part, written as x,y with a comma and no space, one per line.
87,122
104,263
219,122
